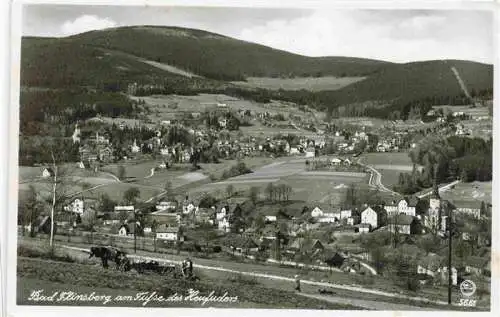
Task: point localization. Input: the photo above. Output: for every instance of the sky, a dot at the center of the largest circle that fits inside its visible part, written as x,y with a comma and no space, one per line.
391,35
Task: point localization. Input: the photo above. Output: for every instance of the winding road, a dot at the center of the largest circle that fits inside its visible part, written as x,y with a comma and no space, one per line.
376,182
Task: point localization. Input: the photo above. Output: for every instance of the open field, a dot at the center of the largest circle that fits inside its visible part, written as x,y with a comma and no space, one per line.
474,112
390,177
116,191
31,173
168,107
394,158
475,191
306,186
298,83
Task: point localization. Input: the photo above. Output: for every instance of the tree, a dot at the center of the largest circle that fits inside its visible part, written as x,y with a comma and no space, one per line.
230,190
31,210
122,173
154,226
89,220
130,195
259,223
254,194
61,186
123,216
106,204
270,191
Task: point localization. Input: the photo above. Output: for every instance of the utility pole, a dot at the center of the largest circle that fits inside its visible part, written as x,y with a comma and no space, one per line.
450,240
135,231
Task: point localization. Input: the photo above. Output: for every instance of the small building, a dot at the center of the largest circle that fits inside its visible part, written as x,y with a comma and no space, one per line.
83,164
223,224
364,227
476,265
166,206
166,217
471,208
48,172
335,161
129,228
345,214
374,216
353,220
404,224
269,219
135,148
76,206
312,245
119,209
168,233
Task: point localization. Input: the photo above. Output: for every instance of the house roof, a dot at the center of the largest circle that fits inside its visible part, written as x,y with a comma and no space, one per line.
167,229
412,201
477,262
467,204
49,169
305,243
431,262
401,219
378,209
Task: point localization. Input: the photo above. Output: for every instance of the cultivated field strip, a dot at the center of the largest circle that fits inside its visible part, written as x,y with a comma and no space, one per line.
333,174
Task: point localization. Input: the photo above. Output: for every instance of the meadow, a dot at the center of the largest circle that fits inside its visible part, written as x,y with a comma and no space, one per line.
475,191
299,83
391,158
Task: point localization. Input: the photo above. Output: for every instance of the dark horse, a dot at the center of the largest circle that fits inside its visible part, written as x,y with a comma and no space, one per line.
103,253
108,254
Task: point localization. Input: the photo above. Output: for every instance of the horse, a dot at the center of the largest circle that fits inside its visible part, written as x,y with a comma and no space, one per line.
103,253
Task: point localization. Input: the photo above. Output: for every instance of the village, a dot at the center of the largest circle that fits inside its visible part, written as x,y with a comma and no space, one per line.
262,223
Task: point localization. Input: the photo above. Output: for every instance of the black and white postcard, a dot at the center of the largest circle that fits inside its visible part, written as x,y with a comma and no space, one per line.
235,156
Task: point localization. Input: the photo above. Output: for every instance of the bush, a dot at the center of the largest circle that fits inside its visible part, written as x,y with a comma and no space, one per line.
413,284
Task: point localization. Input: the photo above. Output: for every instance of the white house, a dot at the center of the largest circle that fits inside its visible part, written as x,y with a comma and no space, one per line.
166,205
223,122
344,214
470,208
135,148
124,208
165,151
169,233
329,217
76,206
270,218
188,208
369,216
224,225
407,206
335,161
47,172
316,212
375,216
221,214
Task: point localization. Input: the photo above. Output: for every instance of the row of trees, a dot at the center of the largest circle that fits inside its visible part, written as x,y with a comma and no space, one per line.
279,192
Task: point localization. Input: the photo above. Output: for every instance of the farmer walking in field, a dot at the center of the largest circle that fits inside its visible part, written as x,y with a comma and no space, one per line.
297,283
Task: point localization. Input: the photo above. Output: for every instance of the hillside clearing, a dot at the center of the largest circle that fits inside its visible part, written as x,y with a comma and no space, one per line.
298,83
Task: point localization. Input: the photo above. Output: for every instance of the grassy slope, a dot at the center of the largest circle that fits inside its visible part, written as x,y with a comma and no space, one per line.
78,275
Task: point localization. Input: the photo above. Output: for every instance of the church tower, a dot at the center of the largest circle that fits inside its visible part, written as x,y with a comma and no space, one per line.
433,219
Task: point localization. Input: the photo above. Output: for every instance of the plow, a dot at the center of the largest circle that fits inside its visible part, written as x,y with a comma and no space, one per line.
124,263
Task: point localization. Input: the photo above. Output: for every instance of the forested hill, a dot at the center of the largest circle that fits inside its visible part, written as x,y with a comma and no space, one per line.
117,56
